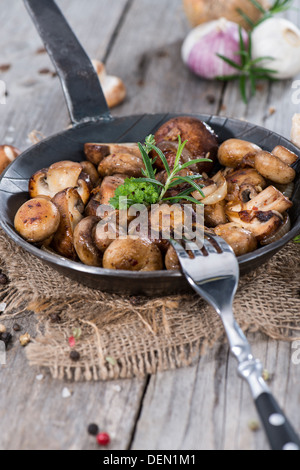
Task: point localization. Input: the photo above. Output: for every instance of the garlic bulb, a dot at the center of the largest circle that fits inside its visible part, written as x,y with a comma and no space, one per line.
280,39
203,43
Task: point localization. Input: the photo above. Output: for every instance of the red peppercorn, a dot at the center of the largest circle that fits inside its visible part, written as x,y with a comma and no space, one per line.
72,341
103,439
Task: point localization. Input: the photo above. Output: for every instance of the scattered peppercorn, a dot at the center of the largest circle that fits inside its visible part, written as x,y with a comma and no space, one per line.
74,356
211,99
3,279
55,318
253,426
93,429
25,339
103,439
17,327
6,338
138,300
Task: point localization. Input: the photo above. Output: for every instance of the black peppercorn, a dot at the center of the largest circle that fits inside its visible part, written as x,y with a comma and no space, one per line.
6,338
93,429
55,318
17,327
3,279
74,356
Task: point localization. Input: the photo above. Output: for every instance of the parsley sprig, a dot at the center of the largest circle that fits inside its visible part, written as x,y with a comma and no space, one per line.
148,190
297,239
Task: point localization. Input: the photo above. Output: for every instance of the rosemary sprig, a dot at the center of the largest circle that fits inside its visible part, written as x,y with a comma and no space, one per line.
148,190
279,6
249,70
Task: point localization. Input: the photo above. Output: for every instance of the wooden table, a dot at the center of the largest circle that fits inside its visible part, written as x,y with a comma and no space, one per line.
201,407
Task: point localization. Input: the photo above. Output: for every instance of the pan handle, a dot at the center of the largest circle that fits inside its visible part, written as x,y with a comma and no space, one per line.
80,82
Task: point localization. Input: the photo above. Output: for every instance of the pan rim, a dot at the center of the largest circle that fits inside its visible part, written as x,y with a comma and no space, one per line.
54,259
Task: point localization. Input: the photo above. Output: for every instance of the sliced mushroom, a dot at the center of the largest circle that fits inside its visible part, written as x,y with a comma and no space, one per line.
71,208
245,176
232,152
261,223
96,152
121,163
241,241
59,176
270,199
273,168
7,155
84,243
37,220
133,254
201,141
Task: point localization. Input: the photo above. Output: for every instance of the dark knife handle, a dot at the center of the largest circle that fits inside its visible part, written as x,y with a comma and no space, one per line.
279,431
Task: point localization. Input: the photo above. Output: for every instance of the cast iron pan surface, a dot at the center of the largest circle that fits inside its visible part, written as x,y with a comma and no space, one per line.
69,145
93,123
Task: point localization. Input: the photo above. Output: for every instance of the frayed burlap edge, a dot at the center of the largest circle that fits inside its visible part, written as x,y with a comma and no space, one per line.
124,337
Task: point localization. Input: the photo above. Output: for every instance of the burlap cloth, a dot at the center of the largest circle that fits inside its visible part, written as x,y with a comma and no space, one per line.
128,337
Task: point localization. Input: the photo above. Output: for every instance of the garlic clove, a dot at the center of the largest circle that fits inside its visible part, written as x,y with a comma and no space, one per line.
113,87
280,39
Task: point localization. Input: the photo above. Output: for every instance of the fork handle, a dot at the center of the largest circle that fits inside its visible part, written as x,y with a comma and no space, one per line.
279,431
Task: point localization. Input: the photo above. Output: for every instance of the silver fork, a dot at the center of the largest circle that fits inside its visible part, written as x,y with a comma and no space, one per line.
213,272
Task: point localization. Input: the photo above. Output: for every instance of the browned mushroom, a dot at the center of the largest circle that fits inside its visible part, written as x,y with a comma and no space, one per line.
71,208
60,176
274,168
202,141
245,176
91,171
37,220
104,192
261,224
241,241
96,152
84,243
171,260
215,214
232,151
133,254
270,199
121,163
7,155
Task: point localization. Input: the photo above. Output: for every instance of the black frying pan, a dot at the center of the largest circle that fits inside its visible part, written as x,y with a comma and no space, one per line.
92,122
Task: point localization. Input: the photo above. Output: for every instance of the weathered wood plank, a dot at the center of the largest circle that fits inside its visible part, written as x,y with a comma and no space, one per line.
33,415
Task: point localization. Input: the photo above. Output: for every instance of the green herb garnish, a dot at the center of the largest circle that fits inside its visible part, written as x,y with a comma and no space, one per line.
147,190
297,239
249,70
279,6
